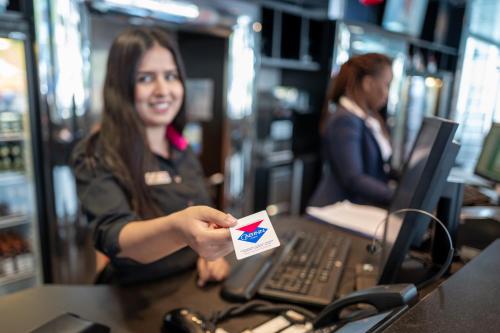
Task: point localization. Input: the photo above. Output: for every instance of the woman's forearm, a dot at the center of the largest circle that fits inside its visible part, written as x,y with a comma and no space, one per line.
150,240
202,228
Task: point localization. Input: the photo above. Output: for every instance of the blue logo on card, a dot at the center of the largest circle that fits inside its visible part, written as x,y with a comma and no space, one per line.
251,232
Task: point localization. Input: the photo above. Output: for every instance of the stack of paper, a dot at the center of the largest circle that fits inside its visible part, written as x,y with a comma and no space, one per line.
361,219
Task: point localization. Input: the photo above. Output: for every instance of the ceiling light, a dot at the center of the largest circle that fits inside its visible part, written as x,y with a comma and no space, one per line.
170,7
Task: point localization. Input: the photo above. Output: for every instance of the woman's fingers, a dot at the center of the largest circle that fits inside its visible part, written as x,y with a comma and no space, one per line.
221,270
215,270
203,272
211,215
206,231
217,236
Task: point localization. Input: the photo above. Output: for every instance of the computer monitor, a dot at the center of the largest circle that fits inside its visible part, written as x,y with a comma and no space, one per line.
420,187
488,164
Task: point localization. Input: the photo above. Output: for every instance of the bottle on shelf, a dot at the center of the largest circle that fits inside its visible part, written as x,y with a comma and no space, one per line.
11,123
24,258
7,265
15,254
17,124
16,154
4,209
431,63
5,161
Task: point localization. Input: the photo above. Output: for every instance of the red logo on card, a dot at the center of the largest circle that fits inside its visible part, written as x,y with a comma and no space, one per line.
250,227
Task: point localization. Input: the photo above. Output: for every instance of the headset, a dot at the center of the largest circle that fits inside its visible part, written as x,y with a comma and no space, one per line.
372,247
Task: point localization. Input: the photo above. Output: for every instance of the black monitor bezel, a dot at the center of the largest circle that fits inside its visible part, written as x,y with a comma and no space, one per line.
444,148
494,127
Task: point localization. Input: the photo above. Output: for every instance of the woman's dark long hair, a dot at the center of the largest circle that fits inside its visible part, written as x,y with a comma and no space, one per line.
349,78
121,140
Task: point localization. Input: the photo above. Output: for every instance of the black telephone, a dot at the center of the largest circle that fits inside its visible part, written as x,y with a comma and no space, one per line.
384,298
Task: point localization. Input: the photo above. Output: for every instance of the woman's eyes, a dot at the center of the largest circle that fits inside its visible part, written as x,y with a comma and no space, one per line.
147,78
171,76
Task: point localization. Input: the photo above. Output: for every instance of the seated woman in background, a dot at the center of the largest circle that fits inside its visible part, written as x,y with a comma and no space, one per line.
355,140
137,176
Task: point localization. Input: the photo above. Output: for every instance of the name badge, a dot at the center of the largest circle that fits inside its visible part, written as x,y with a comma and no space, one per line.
157,178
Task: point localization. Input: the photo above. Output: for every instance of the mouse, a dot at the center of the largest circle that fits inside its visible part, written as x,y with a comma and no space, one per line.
184,320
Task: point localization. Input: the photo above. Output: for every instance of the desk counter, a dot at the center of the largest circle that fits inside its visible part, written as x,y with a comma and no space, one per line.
469,301
140,308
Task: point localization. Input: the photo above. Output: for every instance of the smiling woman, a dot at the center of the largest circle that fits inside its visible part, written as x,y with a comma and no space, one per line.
137,176
158,91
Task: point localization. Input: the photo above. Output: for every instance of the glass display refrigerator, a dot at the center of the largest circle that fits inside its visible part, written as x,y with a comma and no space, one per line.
19,236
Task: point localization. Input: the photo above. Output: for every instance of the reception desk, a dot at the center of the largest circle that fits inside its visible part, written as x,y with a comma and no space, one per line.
468,301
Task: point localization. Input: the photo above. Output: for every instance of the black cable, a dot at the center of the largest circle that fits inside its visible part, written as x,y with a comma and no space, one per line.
372,247
440,273
258,307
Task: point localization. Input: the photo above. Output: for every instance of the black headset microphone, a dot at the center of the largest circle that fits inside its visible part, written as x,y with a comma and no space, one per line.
372,247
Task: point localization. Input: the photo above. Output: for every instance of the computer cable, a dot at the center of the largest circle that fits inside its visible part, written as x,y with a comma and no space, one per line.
372,247
262,307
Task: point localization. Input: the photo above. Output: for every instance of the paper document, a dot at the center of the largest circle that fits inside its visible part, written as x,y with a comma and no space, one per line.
361,219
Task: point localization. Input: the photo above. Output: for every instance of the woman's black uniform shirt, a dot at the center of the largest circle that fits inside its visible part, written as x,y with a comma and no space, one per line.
104,201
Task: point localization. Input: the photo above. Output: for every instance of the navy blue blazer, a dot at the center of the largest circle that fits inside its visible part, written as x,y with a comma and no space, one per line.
353,168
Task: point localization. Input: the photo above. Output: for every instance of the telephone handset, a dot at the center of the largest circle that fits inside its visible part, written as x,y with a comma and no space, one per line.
383,298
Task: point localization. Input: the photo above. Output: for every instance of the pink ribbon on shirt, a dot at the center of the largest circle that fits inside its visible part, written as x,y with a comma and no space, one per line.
176,138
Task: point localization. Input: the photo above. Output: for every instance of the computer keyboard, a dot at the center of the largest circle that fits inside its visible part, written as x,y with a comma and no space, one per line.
308,270
473,197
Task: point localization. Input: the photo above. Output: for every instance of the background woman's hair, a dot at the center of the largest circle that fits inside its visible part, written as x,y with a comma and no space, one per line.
350,76
121,140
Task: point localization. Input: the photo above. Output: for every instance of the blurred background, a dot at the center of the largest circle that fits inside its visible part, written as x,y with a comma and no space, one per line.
254,107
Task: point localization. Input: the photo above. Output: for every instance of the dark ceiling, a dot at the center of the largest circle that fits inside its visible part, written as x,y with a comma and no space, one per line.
323,4
306,4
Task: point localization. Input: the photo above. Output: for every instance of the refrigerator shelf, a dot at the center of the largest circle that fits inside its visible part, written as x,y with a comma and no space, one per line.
11,278
12,177
8,137
13,220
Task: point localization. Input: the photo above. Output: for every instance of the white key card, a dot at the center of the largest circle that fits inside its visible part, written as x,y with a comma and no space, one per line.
253,234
